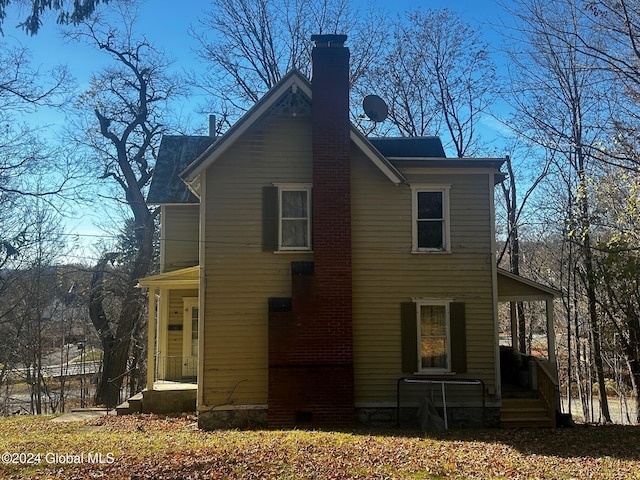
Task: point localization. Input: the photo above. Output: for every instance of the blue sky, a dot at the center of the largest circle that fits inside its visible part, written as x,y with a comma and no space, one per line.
167,27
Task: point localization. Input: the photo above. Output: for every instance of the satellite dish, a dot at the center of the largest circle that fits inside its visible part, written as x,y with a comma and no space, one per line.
375,108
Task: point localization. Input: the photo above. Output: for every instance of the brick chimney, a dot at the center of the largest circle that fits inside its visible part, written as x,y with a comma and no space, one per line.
332,208
311,334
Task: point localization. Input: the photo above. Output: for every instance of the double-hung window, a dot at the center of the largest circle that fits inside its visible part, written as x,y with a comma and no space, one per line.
431,219
294,218
433,336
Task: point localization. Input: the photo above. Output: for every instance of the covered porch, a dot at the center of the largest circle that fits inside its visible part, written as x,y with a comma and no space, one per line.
172,349
528,375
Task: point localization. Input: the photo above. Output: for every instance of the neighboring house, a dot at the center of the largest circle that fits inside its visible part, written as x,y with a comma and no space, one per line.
312,276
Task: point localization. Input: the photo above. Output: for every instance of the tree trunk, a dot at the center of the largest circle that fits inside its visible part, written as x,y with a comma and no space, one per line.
117,344
594,326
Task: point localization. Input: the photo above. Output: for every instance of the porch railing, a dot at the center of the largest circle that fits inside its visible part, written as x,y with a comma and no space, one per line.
548,389
177,369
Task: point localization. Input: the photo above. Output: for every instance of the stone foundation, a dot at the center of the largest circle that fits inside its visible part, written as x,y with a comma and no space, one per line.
245,418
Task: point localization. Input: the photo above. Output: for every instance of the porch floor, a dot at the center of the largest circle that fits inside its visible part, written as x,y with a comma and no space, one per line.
165,385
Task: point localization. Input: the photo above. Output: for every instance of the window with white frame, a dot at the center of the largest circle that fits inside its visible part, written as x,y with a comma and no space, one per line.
431,219
294,218
433,337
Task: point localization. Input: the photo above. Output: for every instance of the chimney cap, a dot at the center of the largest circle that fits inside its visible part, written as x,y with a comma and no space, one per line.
329,40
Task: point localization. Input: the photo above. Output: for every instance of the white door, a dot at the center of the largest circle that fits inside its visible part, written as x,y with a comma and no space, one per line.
190,338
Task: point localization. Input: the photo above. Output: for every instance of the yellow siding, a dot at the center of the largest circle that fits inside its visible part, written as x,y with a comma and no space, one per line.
240,276
176,317
386,274
179,238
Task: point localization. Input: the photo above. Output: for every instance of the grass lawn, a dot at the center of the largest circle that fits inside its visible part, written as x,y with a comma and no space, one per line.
157,447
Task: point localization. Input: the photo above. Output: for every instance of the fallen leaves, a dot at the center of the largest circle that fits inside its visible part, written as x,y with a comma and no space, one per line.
157,447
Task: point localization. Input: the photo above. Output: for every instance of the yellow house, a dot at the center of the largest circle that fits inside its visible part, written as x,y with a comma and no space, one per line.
311,276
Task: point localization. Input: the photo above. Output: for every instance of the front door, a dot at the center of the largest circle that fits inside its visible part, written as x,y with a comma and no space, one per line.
190,338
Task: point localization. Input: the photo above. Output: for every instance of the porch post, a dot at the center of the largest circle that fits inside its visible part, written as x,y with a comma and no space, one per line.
151,339
551,336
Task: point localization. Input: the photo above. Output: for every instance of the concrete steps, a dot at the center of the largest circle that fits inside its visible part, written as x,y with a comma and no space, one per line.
181,398
133,405
524,412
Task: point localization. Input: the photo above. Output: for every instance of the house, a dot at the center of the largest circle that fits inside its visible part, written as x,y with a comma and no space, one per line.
311,276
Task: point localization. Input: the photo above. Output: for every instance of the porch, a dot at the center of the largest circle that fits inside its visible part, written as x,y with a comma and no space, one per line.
172,349
164,397
529,382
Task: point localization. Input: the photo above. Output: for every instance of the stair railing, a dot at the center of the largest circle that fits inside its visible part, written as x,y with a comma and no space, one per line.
548,389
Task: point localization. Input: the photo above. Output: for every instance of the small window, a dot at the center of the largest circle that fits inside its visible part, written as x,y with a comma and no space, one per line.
430,219
295,224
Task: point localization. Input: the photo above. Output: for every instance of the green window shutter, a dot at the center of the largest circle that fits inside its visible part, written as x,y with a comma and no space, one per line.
409,331
270,219
458,337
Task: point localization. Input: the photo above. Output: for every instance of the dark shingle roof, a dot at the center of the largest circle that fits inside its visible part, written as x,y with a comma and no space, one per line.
409,147
175,154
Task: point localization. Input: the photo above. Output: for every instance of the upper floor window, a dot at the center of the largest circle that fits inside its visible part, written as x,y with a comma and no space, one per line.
294,222
431,219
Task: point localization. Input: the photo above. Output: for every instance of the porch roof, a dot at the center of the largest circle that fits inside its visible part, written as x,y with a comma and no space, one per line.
513,288
184,278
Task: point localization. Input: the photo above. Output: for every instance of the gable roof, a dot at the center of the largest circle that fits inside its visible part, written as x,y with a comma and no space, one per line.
296,82
174,154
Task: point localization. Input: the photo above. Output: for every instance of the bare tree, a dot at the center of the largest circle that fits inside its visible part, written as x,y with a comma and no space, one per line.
438,78
24,158
556,93
515,205
249,45
129,102
28,306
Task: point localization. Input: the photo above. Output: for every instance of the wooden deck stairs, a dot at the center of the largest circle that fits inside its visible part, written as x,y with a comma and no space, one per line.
524,412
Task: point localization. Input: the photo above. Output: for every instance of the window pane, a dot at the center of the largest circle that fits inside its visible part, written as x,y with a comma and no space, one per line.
430,235
430,205
294,204
194,331
294,233
433,353
432,320
433,336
